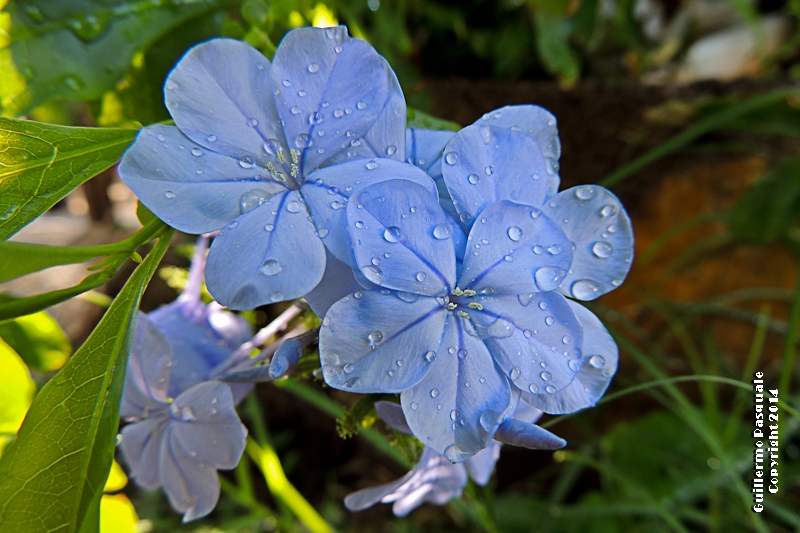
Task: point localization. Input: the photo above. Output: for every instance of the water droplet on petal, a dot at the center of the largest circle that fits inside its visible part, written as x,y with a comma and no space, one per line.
372,164
313,67
391,150
252,199
361,105
574,365
545,375
294,207
554,249
211,138
515,372
252,122
393,234
294,110
421,276
373,273
548,278
538,250
584,193
489,170
169,195
542,305
549,320
525,299
375,337
597,361
269,227
608,210
451,158
528,333
430,356
533,388
442,231
414,406
585,289
315,118
602,249
550,389
246,162
514,233
301,141
197,152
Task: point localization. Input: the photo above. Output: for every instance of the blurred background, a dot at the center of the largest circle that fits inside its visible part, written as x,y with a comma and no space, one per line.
688,110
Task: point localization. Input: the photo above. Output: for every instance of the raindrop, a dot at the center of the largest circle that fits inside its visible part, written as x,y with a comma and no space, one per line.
548,278
508,259
337,205
294,110
585,289
442,231
602,249
359,224
270,267
393,234
414,406
550,389
233,225
486,133
597,361
246,162
533,388
338,49
348,368
549,320
400,362
277,296
608,210
375,337
314,118
313,67
338,113
584,193
430,356
535,213
462,353
301,93
489,170
542,305
252,122
421,276
286,83
301,141
252,199
565,339
514,233
269,227
434,393
409,297
376,261
451,158
515,372
197,152
454,414
161,137
371,164
272,146
211,138
169,195
528,333
361,105
391,150
525,299
554,250
294,207
373,273
612,228
573,365
545,375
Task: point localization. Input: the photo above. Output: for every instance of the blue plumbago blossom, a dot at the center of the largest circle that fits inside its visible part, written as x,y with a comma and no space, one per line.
463,316
435,479
267,153
184,425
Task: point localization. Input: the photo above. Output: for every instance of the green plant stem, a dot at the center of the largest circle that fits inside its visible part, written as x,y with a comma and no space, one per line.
789,350
706,125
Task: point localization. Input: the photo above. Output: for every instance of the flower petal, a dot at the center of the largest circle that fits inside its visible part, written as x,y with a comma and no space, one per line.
219,96
147,375
392,414
534,338
271,254
141,448
328,190
206,425
337,282
598,365
375,342
329,89
404,243
192,487
190,188
366,498
424,149
595,221
539,124
481,465
434,480
458,405
256,374
289,352
514,249
386,138
518,433
486,164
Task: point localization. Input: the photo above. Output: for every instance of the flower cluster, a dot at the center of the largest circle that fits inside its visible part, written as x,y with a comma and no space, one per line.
446,266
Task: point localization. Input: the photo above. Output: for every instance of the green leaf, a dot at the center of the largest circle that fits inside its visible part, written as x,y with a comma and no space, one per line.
418,119
52,476
39,340
16,393
79,49
767,208
41,163
553,43
18,259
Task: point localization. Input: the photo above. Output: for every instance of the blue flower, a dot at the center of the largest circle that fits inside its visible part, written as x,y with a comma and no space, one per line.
184,425
243,158
435,479
463,324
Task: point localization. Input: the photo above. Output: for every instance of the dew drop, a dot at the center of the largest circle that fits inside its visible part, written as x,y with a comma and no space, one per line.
533,388
573,365
542,305
373,273
545,375
301,141
197,152
169,195
434,393
584,193
372,164
314,118
515,372
528,333
514,233
489,170
421,276
252,122
269,227
442,231
550,389
391,150
294,207
430,356
393,234
525,299
554,249
585,289
549,320
602,249
608,211
451,158
313,67
548,278
251,199
414,406
361,105
211,138
597,361
246,162
375,337
277,296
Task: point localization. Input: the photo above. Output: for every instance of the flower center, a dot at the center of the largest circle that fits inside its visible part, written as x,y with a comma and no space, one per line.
463,299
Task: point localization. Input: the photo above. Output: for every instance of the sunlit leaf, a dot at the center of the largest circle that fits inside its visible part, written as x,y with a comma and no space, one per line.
418,119
41,163
117,514
16,393
52,476
39,341
79,49
18,259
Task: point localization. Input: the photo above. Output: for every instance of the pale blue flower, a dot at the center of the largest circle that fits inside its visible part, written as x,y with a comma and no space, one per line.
463,324
183,425
248,139
435,479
